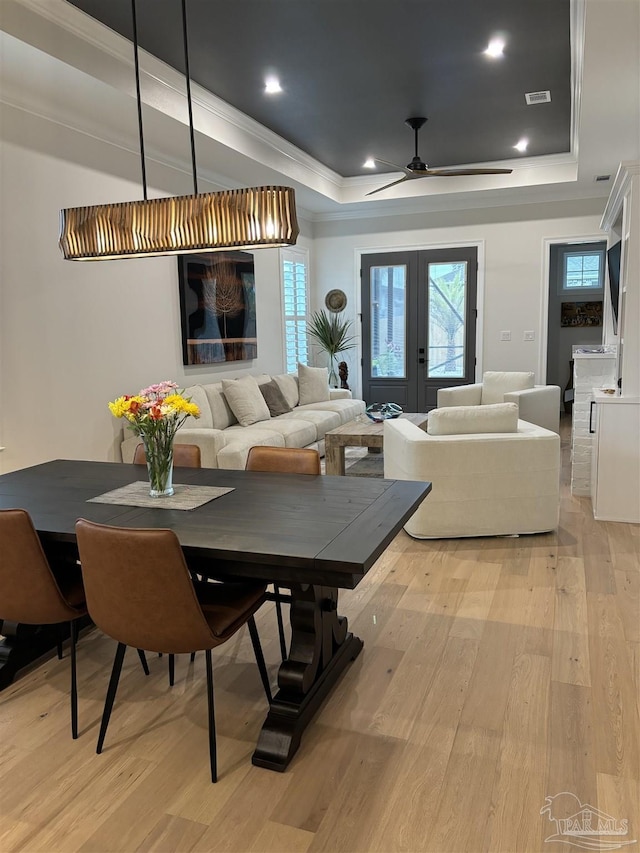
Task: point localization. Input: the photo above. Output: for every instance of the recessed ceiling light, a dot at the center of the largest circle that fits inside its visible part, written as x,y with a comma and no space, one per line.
521,145
495,49
369,163
272,86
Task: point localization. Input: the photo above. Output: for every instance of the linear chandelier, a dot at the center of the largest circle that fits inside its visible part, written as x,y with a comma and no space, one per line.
253,218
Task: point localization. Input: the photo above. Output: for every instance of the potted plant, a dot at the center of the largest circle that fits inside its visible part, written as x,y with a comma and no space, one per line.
331,333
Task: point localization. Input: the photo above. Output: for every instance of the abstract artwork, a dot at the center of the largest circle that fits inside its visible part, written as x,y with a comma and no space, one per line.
581,314
217,307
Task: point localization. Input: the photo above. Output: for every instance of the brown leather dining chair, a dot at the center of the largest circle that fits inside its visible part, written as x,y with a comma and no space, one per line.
140,593
282,460
184,456
32,594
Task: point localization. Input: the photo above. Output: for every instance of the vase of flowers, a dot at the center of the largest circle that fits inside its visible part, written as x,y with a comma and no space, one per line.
155,414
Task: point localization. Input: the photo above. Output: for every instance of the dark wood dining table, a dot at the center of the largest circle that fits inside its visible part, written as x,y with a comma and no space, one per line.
312,535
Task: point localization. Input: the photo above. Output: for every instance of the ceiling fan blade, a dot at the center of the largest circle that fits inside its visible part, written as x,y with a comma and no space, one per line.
396,168
392,184
451,173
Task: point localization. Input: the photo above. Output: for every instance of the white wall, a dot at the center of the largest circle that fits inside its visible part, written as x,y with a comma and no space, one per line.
75,335
512,274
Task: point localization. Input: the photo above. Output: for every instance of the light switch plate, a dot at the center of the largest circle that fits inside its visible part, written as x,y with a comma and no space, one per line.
505,336
529,336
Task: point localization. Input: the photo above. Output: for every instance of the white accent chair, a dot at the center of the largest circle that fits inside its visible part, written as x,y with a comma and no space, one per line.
537,404
492,474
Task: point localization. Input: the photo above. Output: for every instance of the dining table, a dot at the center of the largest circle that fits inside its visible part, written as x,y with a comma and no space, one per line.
312,535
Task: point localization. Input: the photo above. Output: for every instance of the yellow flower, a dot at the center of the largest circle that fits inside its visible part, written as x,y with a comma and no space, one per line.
178,403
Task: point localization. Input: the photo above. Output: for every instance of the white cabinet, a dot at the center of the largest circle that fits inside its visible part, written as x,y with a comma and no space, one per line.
615,464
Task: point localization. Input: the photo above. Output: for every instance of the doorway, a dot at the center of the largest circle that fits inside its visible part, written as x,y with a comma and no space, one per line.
419,311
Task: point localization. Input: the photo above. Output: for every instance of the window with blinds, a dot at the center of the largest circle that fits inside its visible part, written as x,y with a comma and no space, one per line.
295,287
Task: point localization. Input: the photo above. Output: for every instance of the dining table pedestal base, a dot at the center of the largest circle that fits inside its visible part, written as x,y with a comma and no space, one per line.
321,649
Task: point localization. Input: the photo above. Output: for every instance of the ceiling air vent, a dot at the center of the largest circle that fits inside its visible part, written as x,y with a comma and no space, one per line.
538,97
603,178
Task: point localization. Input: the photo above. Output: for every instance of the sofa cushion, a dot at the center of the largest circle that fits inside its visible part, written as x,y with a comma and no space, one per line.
495,384
197,395
468,420
295,431
288,384
221,413
347,409
313,383
274,398
323,419
239,439
246,401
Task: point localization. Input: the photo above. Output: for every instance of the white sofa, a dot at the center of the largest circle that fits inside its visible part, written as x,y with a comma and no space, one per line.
537,404
224,443
484,483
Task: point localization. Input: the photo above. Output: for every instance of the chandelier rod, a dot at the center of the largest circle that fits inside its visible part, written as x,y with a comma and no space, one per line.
137,68
188,76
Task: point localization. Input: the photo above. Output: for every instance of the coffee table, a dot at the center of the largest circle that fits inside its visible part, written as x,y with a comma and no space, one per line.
366,433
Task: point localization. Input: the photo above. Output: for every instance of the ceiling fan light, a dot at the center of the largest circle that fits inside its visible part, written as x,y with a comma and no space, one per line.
521,145
253,218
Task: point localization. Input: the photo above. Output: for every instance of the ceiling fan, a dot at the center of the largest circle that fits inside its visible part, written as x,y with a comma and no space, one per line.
418,169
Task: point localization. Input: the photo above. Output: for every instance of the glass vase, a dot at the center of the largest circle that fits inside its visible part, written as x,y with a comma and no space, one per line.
333,376
158,449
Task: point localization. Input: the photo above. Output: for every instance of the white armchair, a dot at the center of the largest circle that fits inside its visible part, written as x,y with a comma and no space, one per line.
485,483
537,404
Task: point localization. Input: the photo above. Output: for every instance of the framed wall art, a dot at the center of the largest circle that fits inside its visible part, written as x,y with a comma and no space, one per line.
217,307
581,314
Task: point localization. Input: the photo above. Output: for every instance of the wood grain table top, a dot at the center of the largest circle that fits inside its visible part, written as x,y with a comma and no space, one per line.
277,527
367,428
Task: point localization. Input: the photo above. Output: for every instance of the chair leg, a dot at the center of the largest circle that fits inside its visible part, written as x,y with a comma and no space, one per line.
257,649
283,645
172,669
74,682
111,694
143,661
59,645
212,718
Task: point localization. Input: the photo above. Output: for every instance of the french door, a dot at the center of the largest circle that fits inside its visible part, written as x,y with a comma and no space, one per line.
418,324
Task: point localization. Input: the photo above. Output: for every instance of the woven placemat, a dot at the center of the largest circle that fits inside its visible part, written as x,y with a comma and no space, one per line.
184,497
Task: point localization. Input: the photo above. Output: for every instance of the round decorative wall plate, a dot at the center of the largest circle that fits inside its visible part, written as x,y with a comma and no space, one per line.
336,300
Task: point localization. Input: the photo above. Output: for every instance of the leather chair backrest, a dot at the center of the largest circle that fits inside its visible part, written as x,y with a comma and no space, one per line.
29,592
139,590
283,460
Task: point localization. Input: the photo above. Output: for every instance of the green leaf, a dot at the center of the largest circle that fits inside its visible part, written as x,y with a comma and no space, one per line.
331,332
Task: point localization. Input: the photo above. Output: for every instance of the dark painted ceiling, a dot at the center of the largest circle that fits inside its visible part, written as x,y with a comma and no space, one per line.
353,70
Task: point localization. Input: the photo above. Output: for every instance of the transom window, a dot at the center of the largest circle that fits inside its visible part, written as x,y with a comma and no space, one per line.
582,270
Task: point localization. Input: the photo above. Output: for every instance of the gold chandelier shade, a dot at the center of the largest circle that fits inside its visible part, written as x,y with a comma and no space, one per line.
258,217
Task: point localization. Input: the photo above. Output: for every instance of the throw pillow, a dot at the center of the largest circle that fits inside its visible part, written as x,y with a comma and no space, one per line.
314,384
496,383
467,420
246,402
288,384
274,398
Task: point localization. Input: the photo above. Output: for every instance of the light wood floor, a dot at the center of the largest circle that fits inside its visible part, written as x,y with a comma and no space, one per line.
495,673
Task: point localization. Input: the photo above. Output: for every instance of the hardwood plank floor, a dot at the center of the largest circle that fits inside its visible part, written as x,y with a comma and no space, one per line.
496,673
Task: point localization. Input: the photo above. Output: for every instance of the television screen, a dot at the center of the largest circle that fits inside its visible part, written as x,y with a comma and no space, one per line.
613,264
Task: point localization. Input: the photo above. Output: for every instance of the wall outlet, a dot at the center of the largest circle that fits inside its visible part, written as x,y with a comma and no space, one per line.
505,336
529,336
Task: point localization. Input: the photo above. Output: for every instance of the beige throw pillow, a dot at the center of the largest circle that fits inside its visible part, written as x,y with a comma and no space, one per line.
288,384
314,384
467,420
245,400
497,383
